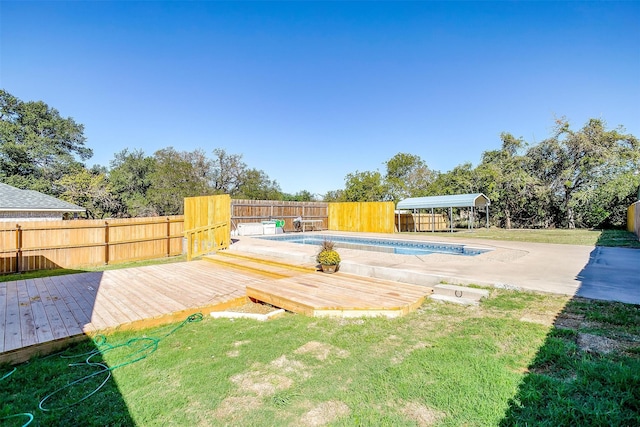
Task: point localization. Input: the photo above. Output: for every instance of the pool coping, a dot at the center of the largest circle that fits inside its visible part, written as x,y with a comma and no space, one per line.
364,241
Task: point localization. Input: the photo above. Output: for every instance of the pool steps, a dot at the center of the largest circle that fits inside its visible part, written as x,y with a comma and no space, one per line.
264,266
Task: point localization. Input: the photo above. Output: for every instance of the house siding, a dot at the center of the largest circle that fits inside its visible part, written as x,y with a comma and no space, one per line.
30,216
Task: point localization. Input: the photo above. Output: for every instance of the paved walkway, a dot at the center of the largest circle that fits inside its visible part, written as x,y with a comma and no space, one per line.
592,272
612,274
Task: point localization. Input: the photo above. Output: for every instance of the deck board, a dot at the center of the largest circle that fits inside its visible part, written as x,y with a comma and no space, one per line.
78,316
3,313
54,317
13,333
40,320
27,324
78,296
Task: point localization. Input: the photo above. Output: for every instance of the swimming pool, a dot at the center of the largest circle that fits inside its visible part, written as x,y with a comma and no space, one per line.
394,246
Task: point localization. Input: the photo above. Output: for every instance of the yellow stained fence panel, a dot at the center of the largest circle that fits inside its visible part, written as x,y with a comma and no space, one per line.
372,217
207,223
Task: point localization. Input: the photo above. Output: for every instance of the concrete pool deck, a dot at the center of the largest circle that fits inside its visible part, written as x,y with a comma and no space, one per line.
587,271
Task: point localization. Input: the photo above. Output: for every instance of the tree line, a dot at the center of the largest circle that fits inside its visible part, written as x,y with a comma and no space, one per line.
43,151
575,178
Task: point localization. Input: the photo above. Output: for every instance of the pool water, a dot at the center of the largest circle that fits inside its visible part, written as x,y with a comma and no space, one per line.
402,247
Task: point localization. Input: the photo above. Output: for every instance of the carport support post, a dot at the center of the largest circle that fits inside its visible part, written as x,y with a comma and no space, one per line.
471,218
413,217
487,210
451,219
433,222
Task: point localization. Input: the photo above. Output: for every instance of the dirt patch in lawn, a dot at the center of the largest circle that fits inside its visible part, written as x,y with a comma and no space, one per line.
262,380
597,344
322,351
325,413
288,366
236,406
261,383
422,415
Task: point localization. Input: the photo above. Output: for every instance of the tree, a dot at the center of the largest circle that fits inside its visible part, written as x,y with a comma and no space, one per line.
89,190
507,181
606,204
577,164
334,196
300,196
365,187
37,145
407,176
462,179
177,175
228,172
256,185
130,179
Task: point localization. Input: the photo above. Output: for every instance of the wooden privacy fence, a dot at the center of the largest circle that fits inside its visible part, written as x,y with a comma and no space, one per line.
372,217
421,222
39,245
207,224
633,218
246,211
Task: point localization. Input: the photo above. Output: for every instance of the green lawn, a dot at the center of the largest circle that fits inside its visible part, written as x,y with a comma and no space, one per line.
501,364
619,238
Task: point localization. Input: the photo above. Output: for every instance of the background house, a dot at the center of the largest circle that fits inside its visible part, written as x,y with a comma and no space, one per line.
28,205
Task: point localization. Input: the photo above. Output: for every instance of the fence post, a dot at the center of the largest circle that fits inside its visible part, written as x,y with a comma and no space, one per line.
106,242
168,237
189,245
18,247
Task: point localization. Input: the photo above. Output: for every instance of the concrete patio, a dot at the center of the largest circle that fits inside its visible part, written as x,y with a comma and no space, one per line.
587,271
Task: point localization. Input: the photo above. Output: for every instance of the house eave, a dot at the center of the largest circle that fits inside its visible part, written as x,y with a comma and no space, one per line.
41,210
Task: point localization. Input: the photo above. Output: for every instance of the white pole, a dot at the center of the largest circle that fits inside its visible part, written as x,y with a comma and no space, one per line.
433,222
487,209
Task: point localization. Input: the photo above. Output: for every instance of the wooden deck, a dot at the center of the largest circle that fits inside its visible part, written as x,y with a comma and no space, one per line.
46,314
340,295
40,315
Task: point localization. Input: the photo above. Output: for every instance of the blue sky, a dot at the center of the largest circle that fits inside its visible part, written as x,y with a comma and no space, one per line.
312,91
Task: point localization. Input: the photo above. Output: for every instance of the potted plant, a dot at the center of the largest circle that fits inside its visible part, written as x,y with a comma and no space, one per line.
328,257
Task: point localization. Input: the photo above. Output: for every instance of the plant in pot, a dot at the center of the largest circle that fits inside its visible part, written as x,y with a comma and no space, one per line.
328,257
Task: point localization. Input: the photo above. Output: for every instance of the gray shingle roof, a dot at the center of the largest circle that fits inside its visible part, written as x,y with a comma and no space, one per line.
15,199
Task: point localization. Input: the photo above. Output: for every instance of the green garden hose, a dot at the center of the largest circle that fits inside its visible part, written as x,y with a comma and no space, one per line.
148,347
144,347
25,414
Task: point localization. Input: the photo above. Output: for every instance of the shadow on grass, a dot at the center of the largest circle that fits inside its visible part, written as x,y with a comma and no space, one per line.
588,370
618,238
62,390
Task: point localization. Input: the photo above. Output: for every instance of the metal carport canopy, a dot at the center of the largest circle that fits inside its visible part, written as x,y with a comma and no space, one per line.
455,201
